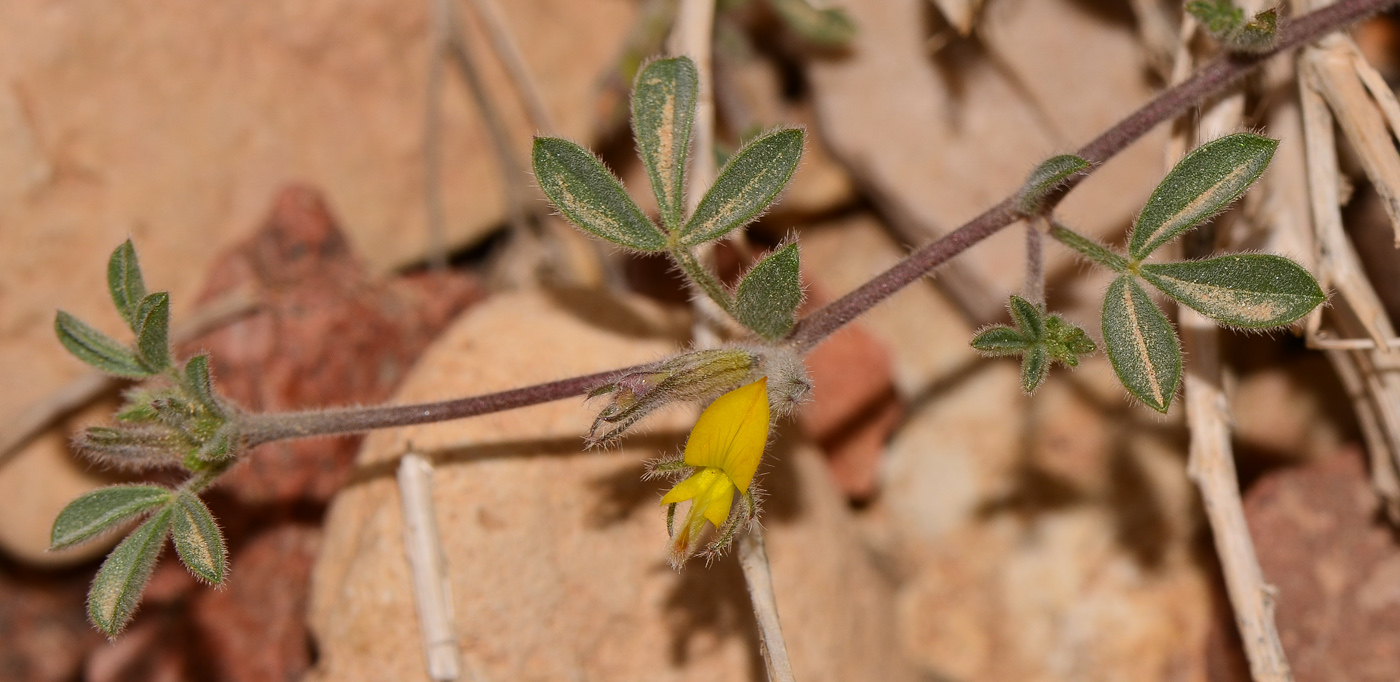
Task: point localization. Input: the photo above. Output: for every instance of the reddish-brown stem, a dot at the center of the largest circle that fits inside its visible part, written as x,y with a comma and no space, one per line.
263,428
813,329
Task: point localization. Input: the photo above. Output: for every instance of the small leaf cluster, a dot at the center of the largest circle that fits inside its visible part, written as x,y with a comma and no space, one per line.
179,514
1227,24
179,419
663,112
1039,339
1249,291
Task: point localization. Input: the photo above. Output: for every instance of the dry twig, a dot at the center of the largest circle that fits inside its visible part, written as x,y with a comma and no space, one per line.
1212,460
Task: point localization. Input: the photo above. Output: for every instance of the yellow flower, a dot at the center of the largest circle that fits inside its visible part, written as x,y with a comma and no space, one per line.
725,446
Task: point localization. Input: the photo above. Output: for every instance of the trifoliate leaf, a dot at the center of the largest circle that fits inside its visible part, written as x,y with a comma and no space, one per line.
1039,339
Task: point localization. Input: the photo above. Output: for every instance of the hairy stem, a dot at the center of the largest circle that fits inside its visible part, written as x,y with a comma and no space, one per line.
703,279
1035,261
753,559
814,328
264,428
1212,78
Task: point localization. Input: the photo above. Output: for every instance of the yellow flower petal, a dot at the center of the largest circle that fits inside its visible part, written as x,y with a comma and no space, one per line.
712,492
693,486
732,433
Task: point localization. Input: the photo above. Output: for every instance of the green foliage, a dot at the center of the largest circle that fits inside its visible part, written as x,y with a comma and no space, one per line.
1141,344
1039,339
1218,17
103,509
97,349
590,196
1256,291
769,294
117,588
1201,185
747,185
153,331
198,540
1049,175
125,282
829,27
1226,22
200,384
1253,291
663,109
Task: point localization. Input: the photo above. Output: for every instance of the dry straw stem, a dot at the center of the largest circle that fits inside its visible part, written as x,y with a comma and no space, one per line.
432,590
753,559
1212,467
1212,461
1361,363
1366,110
449,40
815,328
80,392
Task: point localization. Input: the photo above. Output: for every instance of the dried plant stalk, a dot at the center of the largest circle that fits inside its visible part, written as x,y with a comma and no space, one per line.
1212,460
432,589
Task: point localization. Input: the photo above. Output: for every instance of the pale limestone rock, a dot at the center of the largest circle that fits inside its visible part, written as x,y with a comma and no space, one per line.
556,555
175,123
950,135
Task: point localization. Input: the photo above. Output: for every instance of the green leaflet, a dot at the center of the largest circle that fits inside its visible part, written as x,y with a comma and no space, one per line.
219,446
828,27
1141,344
200,383
1200,186
124,281
1035,364
770,293
591,197
1045,178
198,540
1002,340
101,510
153,331
1218,17
97,349
1256,291
1040,340
749,182
116,590
663,108
1027,317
